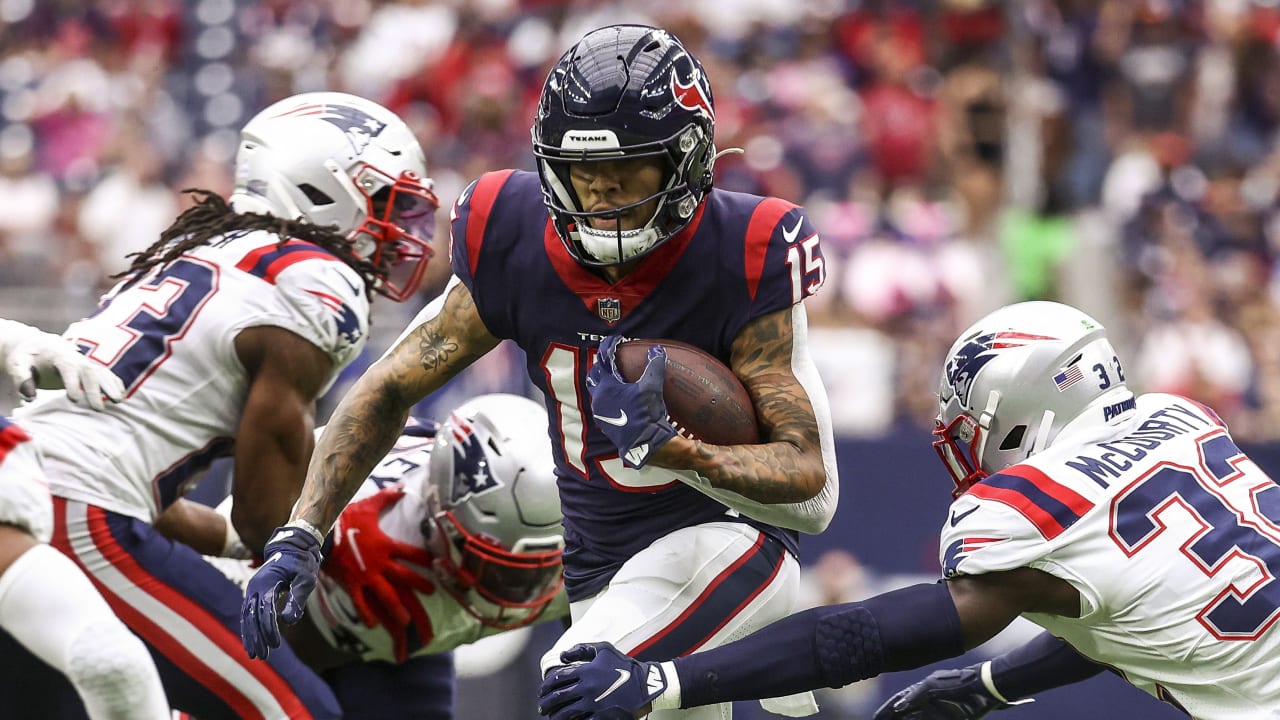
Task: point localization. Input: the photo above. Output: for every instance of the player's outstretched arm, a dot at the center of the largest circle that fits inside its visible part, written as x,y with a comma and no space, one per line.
790,478
34,358
448,335
824,647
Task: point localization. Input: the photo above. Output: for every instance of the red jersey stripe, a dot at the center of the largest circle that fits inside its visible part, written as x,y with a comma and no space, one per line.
1207,411
759,232
1041,518
1063,494
481,204
280,265
631,289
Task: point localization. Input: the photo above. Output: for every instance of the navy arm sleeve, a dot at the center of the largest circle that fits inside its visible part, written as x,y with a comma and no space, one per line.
827,647
1043,663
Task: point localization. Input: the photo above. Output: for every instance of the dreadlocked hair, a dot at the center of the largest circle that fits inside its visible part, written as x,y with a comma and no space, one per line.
212,217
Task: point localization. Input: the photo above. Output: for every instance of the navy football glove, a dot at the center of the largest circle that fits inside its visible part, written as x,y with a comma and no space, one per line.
632,415
944,695
292,562
599,683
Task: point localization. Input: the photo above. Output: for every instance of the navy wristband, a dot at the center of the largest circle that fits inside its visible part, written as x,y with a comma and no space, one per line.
1043,663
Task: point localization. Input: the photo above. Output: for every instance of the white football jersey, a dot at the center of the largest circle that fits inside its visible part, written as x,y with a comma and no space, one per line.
1171,535
330,606
170,336
24,496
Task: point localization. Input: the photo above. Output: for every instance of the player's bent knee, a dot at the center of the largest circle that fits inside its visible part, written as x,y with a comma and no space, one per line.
112,670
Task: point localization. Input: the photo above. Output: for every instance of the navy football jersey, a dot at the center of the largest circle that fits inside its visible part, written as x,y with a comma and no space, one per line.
741,257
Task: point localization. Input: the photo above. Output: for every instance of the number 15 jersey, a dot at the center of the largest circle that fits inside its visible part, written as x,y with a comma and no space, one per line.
740,258
170,336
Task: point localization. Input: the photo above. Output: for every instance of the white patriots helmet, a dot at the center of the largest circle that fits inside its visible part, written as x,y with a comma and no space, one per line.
343,162
1016,379
495,509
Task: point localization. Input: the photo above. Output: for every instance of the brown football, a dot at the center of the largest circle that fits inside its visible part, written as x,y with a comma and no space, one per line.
705,400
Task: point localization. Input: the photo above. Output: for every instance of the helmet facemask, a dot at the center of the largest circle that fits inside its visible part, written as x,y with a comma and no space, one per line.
674,208
397,229
959,445
494,519
501,588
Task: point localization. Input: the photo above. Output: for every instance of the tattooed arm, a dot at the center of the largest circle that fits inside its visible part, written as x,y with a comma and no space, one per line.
789,479
446,337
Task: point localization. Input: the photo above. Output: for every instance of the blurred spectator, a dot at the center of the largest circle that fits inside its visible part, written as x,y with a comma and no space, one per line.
900,112
127,210
28,205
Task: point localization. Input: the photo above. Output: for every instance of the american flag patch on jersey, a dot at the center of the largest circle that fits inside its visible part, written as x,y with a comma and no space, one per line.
1068,377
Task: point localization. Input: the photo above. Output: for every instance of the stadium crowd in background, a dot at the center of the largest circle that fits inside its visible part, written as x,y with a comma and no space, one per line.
958,154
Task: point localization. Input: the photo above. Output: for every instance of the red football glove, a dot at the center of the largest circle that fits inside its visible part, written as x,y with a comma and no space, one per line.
368,565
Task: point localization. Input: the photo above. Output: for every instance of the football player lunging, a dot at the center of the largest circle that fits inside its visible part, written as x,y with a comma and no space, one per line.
224,333
671,544
454,536
1131,528
46,603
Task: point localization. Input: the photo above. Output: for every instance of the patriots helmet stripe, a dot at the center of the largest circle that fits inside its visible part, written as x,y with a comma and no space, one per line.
359,125
964,363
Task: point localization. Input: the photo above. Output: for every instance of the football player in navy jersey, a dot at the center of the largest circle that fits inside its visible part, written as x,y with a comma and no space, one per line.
224,333
672,544
1130,527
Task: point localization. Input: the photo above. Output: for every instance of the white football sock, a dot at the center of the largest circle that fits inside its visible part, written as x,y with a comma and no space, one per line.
57,614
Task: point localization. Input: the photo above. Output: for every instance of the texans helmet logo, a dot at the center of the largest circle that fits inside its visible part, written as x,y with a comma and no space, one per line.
692,96
359,126
470,464
977,351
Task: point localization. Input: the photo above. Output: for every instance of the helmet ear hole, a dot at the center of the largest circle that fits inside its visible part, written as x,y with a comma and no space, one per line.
1013,440
315,194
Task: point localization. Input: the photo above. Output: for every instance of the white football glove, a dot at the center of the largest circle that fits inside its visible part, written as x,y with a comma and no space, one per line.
27,352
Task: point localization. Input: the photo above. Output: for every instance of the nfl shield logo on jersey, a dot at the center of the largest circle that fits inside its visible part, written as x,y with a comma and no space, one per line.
609,309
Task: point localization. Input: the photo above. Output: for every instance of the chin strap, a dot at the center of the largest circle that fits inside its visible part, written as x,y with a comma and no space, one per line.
1042,435
727,151
984,421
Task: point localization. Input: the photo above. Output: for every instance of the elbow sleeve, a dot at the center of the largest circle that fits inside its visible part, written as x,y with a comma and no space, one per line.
914,626
827,647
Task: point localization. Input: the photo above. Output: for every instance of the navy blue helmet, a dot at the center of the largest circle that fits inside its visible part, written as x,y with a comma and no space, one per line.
625,91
